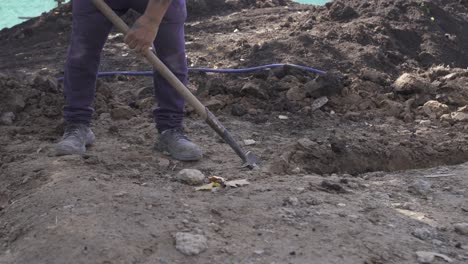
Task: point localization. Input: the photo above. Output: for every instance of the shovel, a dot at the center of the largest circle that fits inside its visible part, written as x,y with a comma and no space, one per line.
248,158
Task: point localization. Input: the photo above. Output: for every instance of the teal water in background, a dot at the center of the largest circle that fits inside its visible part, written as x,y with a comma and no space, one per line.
12,10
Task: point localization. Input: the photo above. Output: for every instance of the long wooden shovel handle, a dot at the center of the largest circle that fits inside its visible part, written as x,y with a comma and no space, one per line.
155,61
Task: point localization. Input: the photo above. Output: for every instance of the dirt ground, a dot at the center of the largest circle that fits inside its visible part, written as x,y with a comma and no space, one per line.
375,175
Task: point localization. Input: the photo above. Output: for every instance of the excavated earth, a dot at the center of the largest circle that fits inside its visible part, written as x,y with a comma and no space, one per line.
363,164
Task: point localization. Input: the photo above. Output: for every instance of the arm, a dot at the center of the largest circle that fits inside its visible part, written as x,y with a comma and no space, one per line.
144,31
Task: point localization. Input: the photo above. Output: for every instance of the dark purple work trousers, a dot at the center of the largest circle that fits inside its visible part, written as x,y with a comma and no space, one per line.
89,33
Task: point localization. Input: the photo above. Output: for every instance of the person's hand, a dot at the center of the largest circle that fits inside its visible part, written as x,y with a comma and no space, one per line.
142,34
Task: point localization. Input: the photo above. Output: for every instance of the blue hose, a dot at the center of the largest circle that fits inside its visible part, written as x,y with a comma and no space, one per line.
243,70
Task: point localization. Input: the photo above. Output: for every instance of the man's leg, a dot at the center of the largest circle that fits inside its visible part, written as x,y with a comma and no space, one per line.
170,48
89,33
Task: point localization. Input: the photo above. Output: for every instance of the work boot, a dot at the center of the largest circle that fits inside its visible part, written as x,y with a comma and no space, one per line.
74,140
178,145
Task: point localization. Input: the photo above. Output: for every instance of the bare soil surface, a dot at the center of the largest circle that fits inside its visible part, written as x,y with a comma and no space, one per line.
374,175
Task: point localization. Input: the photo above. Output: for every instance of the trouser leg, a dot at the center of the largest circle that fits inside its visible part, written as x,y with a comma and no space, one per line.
89,33
170,48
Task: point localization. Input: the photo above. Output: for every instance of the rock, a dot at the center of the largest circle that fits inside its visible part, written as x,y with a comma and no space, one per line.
332,187
422,233
306,144
286,83
434,109
319,103
463,109
459,116
392,108
191,177
461,228
214,104
254,88
216,86
145,103
409,83
420,187
428,257
294,201
190,244
425,123
325,85
296,170
164,163
446,117
252,111
374,76
7,118
295,93
238,110
339,12
144,92
45,83
249,142
122,113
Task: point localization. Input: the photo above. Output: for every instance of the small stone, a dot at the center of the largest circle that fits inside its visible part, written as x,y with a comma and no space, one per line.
425,123
446,117
259,252
306,144
300,189
422,233
420,187
7,119
45,83
216,86
164,163
340,12
145,92
434,109
374,76
191,177
104,116
428,257
409,83
295,93
249,142
294,201
238,110
325,85
252,111
121,194
190,244
122,113
214,104
459,116
461,228
463,109
319,103
296,170
146,103
255,88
